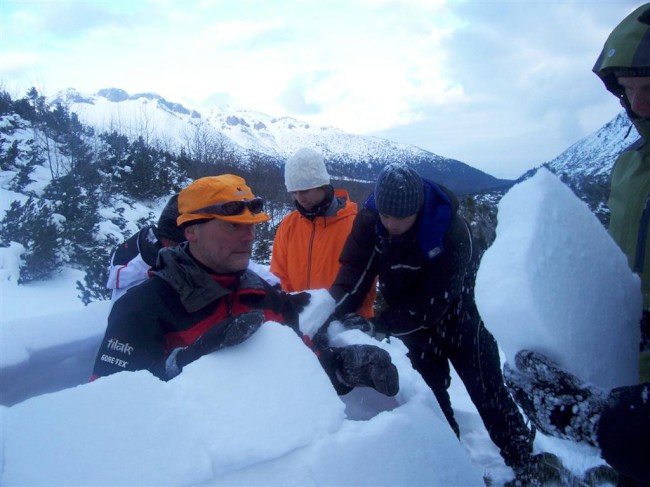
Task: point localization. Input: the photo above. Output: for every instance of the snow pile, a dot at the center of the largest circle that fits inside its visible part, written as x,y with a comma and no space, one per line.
554,281
260,413
10,262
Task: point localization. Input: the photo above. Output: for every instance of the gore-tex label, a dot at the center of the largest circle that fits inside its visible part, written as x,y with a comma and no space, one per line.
114,361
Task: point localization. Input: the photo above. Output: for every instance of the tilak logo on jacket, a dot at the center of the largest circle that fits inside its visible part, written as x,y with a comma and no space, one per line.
115,344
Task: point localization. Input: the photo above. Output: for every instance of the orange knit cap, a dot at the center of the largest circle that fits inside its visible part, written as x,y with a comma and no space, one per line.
213,190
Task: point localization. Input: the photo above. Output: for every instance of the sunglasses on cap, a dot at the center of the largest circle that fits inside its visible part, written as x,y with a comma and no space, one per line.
232,208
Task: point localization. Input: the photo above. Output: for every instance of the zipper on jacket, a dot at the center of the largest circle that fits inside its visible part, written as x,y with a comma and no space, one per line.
642,240
311,249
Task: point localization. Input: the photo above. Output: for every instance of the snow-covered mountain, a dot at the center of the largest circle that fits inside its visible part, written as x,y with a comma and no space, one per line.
594,155
249,132
585,166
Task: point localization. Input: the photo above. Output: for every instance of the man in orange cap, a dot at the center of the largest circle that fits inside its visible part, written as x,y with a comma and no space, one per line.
202,297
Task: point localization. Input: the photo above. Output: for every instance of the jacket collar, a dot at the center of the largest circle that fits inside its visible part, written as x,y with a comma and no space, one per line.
195,285
643,127
338,205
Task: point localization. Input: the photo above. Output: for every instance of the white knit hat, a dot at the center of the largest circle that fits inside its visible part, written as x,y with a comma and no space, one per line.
305,170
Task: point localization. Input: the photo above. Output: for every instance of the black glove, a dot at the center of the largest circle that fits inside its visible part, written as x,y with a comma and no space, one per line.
299,301
360,366
353,321
557,402
227,333
293,305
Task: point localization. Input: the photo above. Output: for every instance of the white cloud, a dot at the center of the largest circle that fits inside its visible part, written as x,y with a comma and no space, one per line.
503,67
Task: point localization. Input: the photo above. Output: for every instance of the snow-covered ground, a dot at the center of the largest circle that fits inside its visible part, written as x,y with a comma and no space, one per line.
264,413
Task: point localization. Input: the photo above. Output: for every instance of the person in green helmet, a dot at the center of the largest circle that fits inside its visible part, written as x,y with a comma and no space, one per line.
624,67
616,421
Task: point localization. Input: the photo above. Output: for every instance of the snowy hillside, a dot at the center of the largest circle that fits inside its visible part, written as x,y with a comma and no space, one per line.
246,131
594,155
585,166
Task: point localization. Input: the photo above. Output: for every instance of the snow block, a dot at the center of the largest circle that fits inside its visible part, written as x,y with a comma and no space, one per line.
554,281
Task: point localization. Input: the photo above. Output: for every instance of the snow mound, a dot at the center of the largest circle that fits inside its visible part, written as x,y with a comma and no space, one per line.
554,281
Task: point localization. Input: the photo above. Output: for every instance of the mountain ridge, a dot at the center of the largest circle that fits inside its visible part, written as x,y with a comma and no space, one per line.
245,131
585,166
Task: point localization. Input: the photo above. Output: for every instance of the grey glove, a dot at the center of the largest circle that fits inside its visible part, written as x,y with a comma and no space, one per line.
350,321
353,321
557,402
227,333
360,366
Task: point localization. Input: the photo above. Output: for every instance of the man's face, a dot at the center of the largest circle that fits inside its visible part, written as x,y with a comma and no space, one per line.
309,198
397,226
222,246
637,91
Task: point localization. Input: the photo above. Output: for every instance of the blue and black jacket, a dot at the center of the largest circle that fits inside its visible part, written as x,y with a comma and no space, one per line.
423,274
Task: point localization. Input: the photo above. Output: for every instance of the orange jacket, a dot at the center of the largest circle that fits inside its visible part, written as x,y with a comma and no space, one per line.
306,253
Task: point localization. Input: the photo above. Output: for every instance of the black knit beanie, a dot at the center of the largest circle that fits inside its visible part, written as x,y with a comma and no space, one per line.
399,191
167,227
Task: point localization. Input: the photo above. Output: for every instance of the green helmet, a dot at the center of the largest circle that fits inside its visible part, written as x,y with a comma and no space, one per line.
626,53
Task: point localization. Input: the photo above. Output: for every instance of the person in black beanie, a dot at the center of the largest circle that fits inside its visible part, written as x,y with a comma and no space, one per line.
412,237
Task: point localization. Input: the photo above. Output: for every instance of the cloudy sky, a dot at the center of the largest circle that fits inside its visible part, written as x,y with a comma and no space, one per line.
502,85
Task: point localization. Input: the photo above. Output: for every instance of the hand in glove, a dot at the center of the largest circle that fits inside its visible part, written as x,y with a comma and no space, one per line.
557,402
229,332
353,321
298,301
360,366
294,304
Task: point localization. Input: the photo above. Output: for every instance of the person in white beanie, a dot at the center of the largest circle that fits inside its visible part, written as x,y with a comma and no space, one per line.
309,240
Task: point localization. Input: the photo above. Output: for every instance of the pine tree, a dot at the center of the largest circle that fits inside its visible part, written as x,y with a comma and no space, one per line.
6,103
33,159
96,266
11,155
36,228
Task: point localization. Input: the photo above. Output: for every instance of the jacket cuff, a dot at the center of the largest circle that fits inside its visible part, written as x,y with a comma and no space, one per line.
172,369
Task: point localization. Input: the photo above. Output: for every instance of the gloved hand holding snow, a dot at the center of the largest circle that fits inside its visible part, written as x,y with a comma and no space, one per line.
298,301
557,402
229,332
317,312
360,366
353,321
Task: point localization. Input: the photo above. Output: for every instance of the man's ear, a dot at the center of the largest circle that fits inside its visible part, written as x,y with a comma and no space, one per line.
190,233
